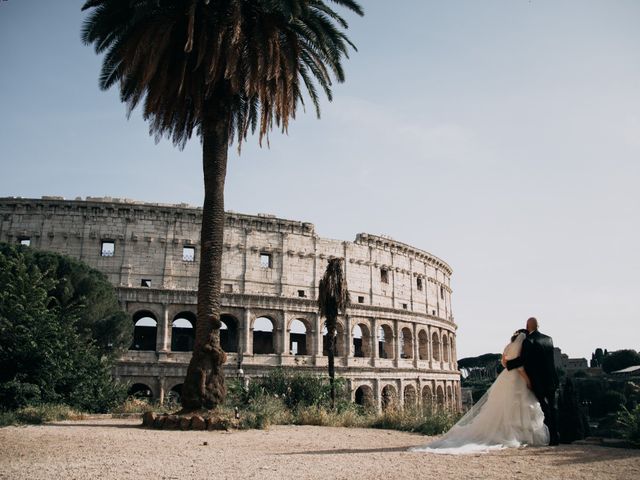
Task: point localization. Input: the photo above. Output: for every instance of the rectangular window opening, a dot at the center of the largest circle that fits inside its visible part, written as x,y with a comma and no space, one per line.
404,306
441,291
360,299
384,275
419,283
145,282
228,288
26,241
266,260
188,254
108,248
301,293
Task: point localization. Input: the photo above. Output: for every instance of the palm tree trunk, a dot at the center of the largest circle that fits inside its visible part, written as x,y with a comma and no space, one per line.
204,384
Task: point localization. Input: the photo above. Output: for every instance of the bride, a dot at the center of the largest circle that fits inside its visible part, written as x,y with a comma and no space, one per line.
508,415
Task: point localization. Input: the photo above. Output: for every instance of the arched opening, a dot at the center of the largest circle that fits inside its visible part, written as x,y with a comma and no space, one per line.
364,396
298,338
435,346
427,399
361,341
183,332
385,342
145,331
389,398
407,343
140,391
410,397
263,338
423,345
440,400
339,341
174,394
445,348
229,333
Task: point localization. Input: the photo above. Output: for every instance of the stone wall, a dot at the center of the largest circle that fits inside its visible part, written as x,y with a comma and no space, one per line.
271,269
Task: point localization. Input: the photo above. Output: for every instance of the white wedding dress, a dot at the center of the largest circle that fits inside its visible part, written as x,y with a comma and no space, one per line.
508,415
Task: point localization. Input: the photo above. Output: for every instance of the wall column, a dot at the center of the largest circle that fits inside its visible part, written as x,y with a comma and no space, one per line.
319,337
416,346
163,337
247,344
430,347
396,344
374,341
441,350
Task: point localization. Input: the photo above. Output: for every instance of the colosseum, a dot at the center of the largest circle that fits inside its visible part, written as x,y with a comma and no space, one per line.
397,342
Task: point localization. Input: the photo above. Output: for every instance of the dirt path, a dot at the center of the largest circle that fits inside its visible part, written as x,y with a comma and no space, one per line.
119,449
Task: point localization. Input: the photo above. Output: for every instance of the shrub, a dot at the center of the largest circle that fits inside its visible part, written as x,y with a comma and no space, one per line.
613,401
629,423
38,414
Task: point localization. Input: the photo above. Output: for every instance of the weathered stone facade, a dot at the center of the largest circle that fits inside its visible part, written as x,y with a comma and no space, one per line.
396,343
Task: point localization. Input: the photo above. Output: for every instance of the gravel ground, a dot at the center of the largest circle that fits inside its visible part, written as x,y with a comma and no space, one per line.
120,449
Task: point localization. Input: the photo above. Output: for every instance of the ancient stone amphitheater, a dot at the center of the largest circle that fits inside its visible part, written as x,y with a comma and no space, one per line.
396,343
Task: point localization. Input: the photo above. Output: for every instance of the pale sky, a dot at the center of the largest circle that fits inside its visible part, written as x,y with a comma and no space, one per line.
502,136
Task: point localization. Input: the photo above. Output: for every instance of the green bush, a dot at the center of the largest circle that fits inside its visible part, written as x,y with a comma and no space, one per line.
15,394
613,401
629,423
38,414
294,389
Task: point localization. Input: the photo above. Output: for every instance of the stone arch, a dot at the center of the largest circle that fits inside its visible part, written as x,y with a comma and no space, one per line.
406,338
183,329
174,393
229,333
140,390
445,348
361,340
440,398
340,343
385,341
423,345
145,330
427,398
363,396
410,397
264,336
389,397
300,338
435,346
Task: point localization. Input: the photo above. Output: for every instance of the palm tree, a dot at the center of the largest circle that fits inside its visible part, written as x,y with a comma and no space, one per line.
333,299
223,68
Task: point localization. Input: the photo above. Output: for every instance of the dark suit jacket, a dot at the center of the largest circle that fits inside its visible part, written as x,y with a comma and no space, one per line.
538,361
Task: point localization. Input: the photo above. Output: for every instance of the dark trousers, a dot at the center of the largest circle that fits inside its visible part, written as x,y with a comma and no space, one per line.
547,399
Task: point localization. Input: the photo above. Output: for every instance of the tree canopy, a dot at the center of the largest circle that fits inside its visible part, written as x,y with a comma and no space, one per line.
55,343
620,359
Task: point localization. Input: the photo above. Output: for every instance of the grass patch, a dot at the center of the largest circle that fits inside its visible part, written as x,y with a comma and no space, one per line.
39,414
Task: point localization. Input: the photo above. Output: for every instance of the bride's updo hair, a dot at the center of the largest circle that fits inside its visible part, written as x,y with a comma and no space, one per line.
518,332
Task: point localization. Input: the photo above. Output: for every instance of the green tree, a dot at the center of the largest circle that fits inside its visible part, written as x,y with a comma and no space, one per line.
620,359
43,357
333,299
222,68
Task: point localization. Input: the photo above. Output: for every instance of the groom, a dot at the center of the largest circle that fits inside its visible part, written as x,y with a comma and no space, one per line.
538,361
